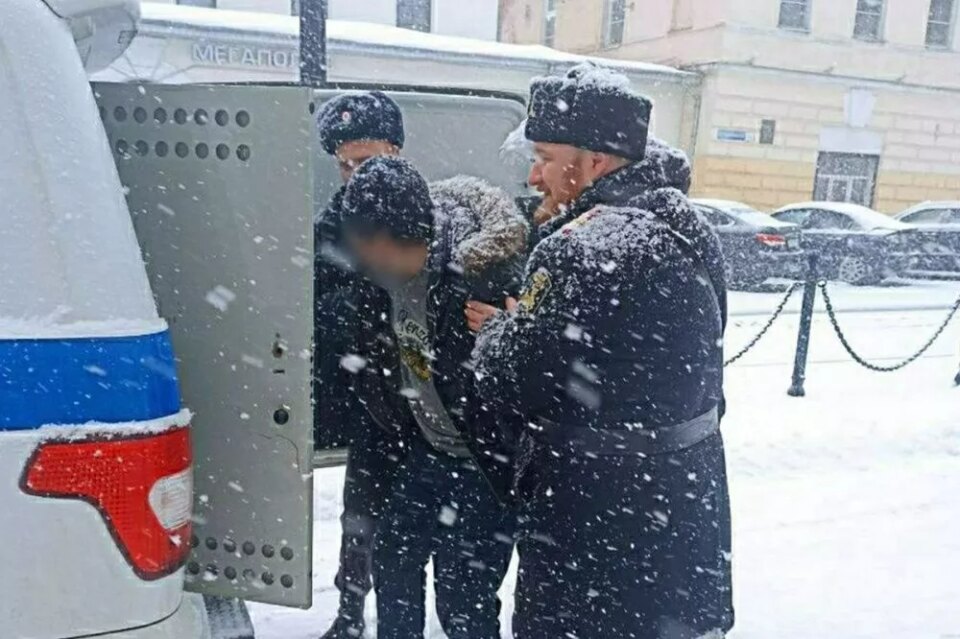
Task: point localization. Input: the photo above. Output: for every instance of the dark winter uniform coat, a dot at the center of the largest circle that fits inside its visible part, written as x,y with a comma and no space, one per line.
338,416
619,332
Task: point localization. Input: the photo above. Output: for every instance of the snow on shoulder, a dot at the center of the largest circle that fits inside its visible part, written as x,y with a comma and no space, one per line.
608,238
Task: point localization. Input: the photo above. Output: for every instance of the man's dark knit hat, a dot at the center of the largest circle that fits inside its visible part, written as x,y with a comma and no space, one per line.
388,195
591,108
353,117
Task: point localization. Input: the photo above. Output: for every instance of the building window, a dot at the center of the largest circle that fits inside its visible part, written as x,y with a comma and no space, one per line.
210,4
768,131
550,23
795,14
940,23
294,7
415,14
615,15
846,177
869,25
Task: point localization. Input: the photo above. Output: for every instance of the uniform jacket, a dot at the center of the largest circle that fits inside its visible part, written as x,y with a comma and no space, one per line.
622,316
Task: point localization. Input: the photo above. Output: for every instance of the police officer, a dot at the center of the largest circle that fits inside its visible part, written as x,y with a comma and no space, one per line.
353,128
612,360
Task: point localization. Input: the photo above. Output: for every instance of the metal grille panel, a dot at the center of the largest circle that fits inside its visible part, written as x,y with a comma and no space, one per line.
220,189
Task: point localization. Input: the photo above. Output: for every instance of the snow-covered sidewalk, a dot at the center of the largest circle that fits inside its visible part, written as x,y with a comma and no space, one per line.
846,503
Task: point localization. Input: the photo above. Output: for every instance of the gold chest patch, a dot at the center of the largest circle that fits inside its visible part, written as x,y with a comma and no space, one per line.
535,291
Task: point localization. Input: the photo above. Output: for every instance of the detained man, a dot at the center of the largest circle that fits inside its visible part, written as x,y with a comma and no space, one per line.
423,257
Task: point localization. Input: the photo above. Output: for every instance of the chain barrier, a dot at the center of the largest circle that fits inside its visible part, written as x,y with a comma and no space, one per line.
796,286
831,312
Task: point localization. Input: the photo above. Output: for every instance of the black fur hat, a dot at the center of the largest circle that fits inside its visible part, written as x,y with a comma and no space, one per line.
591,108
360,116
388,195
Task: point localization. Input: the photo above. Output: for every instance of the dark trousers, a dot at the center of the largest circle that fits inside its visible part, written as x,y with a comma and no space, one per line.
626,547
441,508
372,461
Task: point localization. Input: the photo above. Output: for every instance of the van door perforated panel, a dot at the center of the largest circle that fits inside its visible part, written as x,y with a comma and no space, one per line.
220,186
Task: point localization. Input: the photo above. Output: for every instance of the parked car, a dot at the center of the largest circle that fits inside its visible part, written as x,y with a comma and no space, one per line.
756,245
938,226
856,244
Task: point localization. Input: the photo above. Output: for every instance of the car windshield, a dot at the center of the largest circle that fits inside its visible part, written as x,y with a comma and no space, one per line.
871,220
755,217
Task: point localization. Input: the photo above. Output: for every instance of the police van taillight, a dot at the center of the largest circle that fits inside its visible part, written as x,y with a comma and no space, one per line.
142,486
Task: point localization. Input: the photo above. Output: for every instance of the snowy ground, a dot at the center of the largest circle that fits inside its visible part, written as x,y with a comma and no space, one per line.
846,503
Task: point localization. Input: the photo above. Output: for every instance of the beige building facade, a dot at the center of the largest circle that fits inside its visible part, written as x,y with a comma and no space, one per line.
848,100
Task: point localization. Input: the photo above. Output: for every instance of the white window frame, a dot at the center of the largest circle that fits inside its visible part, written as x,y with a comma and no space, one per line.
808,6
609,22
881,25
951,27
550,22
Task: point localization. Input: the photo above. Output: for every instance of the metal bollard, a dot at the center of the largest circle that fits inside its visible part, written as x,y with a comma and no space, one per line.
806,322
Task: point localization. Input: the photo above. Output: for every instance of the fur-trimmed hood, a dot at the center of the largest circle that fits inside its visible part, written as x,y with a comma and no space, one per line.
480,224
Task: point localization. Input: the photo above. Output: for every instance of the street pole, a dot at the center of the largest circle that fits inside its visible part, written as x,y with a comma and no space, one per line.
313,43
806,323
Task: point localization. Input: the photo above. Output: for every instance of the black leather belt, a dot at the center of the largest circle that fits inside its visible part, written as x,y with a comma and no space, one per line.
626,441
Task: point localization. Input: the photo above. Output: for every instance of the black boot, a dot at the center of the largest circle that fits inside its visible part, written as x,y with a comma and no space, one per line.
346,627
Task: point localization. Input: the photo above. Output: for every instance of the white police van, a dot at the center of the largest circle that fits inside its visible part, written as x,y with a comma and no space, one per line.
95,455
156,323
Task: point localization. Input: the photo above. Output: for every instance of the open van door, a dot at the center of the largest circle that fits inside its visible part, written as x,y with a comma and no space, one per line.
220,187
223,183
448,132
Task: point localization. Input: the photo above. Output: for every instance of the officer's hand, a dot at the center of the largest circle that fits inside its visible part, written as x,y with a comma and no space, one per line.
477,314
512,304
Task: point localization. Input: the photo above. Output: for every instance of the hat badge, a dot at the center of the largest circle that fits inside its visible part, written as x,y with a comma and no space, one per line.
347,117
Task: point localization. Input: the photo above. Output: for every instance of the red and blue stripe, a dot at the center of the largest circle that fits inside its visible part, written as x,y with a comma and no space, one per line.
77,381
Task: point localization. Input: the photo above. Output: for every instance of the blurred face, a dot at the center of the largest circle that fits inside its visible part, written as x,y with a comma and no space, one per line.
562,172
386,261
350,155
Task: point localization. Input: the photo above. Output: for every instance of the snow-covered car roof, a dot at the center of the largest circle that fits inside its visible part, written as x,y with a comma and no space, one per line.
723,205
925,206
863,216
742,211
